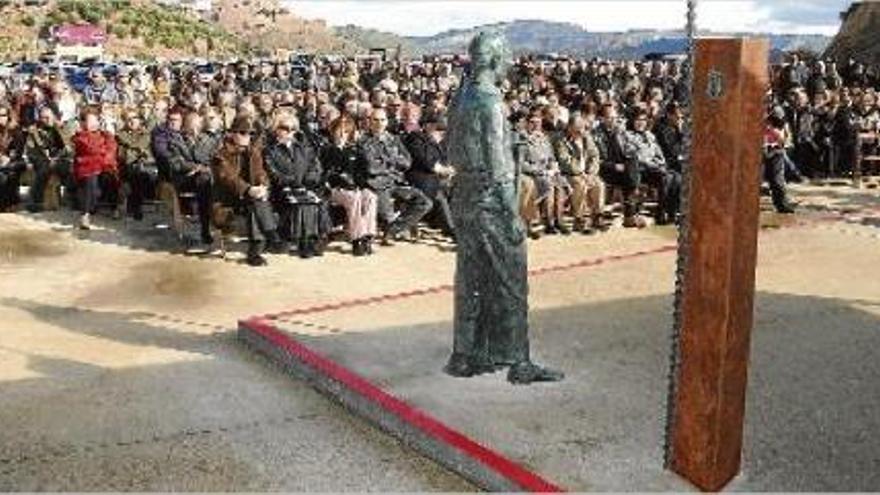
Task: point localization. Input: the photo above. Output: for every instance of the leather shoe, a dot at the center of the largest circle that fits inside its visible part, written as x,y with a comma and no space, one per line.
255,259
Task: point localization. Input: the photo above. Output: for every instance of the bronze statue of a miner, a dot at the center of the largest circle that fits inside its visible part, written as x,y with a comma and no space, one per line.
491,279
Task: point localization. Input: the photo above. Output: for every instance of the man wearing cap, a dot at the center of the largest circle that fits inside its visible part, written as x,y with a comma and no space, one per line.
430,171
241,181
136,163
387,161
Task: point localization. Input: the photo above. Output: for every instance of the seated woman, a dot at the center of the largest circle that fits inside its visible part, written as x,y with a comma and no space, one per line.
94,155
295,192
346,175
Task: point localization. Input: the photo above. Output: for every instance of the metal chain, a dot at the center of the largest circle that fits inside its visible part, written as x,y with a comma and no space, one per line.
683,232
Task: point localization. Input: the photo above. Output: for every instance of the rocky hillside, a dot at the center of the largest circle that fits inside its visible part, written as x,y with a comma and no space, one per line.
270,27
859,36
136,28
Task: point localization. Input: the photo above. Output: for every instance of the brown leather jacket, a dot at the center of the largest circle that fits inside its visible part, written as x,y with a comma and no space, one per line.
231,181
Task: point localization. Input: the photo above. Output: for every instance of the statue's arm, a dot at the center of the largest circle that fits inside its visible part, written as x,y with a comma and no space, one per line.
492,141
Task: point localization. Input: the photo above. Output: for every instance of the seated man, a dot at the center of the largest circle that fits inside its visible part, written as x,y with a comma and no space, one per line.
643,150
11,162
296,188
387,160
136,164
430,172
242,182
579,163
190,155
49,156
617,169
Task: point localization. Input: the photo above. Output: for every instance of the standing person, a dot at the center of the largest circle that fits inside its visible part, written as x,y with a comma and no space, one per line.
387,162
430,171
48,155
579,163
345,172
806,151
295,178
94,154
491,275
11,161
242,182
774,163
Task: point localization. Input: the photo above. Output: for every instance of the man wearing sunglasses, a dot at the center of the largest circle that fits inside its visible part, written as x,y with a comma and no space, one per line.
241,182
296,187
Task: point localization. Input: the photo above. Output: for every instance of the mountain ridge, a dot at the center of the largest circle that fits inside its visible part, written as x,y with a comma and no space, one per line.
539,36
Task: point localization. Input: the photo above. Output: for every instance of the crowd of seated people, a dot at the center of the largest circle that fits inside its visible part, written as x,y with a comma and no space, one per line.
299,150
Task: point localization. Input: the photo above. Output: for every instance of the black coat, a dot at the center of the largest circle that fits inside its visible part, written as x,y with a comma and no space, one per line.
344,168
295,167
425,153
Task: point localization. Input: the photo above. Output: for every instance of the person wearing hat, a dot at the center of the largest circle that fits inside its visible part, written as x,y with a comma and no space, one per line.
241,181
136,164
430,172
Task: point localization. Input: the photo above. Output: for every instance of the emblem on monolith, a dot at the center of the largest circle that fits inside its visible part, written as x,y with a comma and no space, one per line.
491,279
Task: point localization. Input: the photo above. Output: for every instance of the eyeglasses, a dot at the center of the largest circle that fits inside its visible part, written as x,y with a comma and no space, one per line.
285,128
244,133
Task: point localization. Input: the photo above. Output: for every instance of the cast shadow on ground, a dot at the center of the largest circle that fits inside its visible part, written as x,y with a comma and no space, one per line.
811,412
153,234
122,327
222,419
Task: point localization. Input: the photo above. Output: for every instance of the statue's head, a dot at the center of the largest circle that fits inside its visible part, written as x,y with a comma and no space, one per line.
489,53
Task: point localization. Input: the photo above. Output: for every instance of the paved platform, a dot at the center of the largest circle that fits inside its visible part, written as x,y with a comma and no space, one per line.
120,371
811,418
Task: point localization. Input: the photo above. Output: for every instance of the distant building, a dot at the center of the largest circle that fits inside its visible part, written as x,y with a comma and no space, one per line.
78,41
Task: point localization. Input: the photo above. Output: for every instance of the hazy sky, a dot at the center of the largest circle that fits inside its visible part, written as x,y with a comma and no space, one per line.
426,17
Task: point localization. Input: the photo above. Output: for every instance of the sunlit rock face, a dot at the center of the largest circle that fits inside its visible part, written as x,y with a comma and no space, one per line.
859,36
